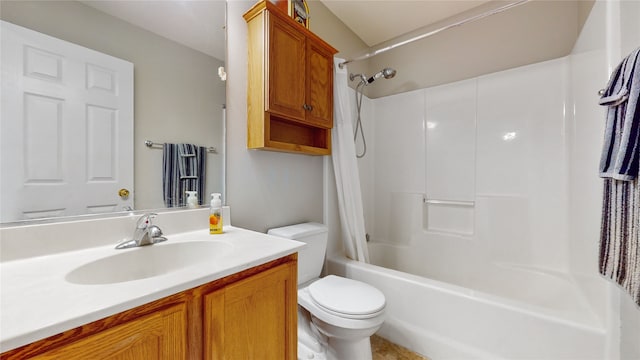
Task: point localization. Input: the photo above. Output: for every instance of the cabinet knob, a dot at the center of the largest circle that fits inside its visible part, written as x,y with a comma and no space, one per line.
307,107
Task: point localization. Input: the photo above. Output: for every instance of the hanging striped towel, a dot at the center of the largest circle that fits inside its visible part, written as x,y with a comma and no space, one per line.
184,168
621,151
620,230
187,161
620,235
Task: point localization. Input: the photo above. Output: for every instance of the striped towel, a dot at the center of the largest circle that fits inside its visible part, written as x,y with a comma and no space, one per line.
187,161
183,170
621,151
620,231
620,235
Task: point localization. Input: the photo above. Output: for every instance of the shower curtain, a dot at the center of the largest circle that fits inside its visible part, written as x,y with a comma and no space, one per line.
345,167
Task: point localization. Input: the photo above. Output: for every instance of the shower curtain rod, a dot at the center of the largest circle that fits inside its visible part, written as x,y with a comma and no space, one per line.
433,32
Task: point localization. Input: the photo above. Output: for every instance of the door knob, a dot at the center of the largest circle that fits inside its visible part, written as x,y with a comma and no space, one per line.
123,193
307,107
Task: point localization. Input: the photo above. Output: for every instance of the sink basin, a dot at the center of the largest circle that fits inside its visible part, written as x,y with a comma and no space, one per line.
148,261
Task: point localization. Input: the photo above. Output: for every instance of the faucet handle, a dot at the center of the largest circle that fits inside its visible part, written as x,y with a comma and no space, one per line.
145,220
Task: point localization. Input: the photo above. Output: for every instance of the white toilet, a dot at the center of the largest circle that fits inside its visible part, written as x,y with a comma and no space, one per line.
336,315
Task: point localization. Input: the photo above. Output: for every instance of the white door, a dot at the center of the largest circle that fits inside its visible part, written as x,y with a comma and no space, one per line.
66,128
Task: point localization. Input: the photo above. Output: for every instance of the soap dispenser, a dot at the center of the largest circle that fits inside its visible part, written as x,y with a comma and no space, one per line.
192,199
215,216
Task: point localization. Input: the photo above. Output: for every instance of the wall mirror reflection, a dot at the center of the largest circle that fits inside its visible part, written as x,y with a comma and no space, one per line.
86,83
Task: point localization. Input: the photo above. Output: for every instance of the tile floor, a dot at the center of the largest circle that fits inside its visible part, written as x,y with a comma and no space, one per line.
385,350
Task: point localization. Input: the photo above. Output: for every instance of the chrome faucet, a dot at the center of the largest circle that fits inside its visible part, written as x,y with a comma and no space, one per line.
144,234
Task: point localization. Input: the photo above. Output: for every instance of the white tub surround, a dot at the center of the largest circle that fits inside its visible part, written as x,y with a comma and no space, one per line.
492,214
37,301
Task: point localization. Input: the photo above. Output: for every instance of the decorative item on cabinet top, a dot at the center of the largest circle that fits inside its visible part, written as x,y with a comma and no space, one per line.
286,111
297,9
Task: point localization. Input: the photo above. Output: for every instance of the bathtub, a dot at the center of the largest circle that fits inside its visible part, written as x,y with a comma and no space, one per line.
483,319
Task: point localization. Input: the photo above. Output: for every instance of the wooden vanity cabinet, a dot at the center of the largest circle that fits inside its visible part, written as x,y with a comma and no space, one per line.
160,335
250,319
248,315
290,90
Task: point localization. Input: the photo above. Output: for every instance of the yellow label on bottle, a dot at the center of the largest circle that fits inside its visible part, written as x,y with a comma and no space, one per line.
215,223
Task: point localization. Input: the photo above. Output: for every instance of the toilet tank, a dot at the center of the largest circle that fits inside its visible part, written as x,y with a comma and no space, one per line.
311,257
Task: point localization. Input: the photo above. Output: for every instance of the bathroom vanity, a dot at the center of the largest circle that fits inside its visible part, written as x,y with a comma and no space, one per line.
241,303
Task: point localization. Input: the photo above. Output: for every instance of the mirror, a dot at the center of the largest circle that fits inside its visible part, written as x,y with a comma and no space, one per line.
176,48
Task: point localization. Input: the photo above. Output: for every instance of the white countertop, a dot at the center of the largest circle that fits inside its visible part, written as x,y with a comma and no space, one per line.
36,301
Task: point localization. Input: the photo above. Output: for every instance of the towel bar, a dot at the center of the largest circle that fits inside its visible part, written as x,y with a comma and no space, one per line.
154,145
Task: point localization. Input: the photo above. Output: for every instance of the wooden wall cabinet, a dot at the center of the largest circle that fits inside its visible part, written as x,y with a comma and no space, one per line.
290,90
248,315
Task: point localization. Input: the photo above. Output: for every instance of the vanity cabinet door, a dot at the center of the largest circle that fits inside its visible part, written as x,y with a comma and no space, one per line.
160,335
254,318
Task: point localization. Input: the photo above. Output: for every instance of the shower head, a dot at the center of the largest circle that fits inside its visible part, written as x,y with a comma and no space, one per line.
387,73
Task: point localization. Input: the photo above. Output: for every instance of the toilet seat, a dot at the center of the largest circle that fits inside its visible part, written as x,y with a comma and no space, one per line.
347,298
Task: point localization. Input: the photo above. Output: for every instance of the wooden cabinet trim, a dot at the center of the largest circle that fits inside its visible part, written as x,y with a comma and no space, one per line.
260,6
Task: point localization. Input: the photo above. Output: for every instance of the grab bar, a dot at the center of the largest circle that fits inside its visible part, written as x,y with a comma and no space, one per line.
449,202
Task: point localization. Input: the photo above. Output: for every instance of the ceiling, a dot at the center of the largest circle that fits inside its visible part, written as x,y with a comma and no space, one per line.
196,24
376,21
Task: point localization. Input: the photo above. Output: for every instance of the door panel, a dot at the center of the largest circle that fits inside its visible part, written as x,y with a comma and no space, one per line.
66,128
320,85
254,318
160,335
286,66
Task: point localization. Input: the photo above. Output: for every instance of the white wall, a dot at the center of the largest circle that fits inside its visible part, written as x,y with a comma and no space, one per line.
589,73
269,189
264,189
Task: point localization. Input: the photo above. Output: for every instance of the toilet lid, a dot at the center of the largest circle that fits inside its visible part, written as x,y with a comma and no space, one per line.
346,296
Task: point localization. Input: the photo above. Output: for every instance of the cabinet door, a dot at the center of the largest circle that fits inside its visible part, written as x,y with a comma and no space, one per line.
286,64
319,90
161,335
255,318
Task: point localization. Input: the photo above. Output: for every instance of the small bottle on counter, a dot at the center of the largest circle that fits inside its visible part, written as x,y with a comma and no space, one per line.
215,215
192,199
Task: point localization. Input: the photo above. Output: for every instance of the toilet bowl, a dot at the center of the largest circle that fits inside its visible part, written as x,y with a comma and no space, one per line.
345,312
336,315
